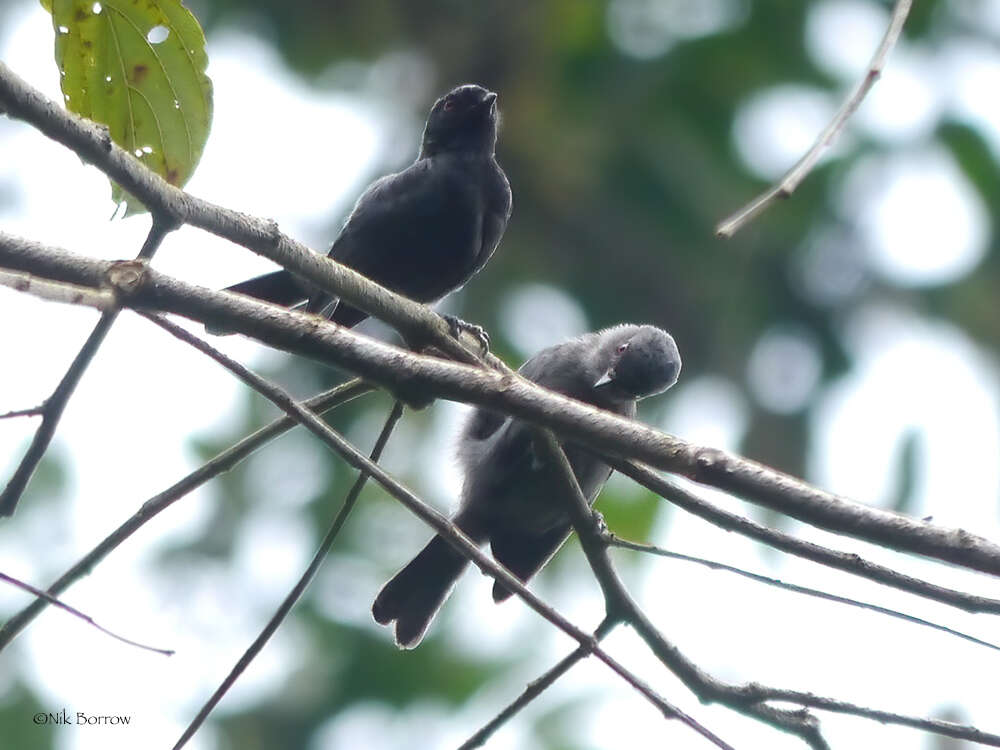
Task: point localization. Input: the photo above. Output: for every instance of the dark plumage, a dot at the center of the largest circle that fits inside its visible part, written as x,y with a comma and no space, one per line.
425,231
510,498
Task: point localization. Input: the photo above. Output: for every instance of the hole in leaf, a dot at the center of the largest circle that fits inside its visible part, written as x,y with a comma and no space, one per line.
96,8
63,29
157,34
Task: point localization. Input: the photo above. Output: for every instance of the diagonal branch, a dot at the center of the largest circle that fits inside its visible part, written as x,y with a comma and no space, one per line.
622,608
616,541
847,562
412,375
77,613
752,698
533,690
945,728
59,291
152,507
300,586
55,404
787,185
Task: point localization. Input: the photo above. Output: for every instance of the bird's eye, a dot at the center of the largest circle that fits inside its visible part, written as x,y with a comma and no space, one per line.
449,104
622,348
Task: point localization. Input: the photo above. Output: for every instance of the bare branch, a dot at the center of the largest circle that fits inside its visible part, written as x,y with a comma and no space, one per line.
534,689
622,608
152,507
77,613
847,562
417,376
616,541
787,185
55,404
55,291
946,728
752,699
52,411
31,411
300,586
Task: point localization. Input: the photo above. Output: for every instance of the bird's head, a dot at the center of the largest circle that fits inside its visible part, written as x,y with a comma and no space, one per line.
637,361
464,119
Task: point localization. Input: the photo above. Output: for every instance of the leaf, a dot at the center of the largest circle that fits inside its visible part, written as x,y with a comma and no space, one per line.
137,66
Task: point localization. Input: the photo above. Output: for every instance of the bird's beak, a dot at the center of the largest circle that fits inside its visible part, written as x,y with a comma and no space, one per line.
605,379
489,100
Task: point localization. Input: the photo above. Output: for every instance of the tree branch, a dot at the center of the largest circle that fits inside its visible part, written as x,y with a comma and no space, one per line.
946,728
77,613
751,699
534,689
300,586
616,541
57,291
787,185
55,404
622,608
415,376
847,562
152,507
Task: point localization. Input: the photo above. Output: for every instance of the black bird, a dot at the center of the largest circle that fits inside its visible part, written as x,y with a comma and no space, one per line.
510,497
422,232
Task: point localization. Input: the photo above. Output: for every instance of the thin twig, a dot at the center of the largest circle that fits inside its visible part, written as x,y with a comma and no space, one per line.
616,541
619,603
52,411
847,562
223,462
335,441
77,613
300,586
56,403
620,607
787,185
32,411
751,699
945,728
59,291
534,689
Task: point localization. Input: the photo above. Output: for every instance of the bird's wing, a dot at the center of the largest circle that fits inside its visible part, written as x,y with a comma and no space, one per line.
524,554
390,207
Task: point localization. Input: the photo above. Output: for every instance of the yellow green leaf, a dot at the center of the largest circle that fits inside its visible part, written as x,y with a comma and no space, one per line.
138,67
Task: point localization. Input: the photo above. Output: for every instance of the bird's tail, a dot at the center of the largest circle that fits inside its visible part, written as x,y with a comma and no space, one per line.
415,593
279,287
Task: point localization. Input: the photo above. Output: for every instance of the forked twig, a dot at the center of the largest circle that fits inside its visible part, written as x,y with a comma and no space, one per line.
794,176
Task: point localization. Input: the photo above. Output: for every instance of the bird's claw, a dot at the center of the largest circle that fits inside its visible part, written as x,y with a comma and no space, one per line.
457,325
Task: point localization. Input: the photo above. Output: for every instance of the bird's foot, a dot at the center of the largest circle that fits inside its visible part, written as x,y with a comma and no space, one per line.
457,325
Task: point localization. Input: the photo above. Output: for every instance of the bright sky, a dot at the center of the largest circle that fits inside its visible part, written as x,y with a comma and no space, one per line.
920,224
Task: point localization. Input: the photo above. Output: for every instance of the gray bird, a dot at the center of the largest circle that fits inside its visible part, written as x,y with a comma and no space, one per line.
422,232
510,496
